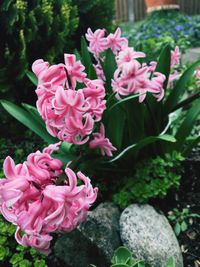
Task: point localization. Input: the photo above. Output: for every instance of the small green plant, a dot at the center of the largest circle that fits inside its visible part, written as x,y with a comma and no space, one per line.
15,255
180,218
124,258
152,178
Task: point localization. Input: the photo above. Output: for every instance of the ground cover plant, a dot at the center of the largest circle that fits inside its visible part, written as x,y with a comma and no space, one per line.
162,27
87,111
124,258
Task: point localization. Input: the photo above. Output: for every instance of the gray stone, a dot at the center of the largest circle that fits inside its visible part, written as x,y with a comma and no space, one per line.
149,235
191,55
94,241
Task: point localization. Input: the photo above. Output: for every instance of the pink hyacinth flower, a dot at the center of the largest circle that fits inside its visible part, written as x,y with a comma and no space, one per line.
39,66
197,73
97,41
74,69
175,57
40,242
128,55
101,142
172,77
54,74
40,209
115,42
69,203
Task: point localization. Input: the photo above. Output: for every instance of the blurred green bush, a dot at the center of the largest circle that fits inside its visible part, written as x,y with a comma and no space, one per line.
94,14
31,30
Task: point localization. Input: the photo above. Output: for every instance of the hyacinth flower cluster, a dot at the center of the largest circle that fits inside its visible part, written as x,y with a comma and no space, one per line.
32,199
130,77
72,105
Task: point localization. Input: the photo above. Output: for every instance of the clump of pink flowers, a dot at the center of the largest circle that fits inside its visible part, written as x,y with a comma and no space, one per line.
72,105
39,196
130,77
32,199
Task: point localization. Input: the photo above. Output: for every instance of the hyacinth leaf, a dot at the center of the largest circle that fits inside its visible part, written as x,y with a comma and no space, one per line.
187,125
76,53
155,114
109,67
121,255
144,142
85,55
92,73
124,100
65,147
187,101
35,114
192,143
179,88
32,77
64,157
28,120
135,125
164,63
115,127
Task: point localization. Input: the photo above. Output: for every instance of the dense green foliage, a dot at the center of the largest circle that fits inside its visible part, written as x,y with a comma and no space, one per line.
162,27
152,178
32,30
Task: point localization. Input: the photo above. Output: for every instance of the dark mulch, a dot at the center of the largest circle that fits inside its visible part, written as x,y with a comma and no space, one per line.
189,196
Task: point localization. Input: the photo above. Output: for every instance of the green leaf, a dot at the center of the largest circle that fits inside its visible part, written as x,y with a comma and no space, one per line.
114,125
171,262
121,255
144,142
64,157
180,88
92,73
28,120
109,67
76,53
124,100
177,228
164,63
85,55
184,226
32,77
187,125
33,111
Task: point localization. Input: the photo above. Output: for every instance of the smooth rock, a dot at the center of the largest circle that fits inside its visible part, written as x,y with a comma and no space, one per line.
94,241
149,235
191,55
